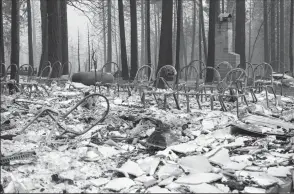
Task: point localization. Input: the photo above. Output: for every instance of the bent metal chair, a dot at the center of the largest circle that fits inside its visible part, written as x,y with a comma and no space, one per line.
141,81
116,75
263,79
233,85
80,112
166,76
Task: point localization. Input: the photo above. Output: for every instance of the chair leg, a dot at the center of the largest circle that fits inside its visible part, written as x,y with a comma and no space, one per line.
188,103
221,101
198,102
176,101
143,99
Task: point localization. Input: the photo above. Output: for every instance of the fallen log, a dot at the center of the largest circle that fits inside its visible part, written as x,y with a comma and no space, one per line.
88,78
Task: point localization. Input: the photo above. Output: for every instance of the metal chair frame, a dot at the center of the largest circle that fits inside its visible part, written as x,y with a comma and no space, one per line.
264,82
115,74
166,84
57,119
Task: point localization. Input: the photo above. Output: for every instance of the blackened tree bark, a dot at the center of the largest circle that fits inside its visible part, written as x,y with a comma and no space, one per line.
240,42
54,44
2,58
109,36
193,31
124,59
64,35
273,33
211,38
148,34
282,33
201,17
165,49
44,29
89,51
265,31
291,50
14,57
178,39
79,61
134,40
30,35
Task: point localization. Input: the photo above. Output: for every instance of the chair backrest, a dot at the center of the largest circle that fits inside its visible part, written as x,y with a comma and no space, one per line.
189,73
59,68
223,68
69,68
8,70
46,70
234,78
167,73
216,75
142,74
200,65
116,73
264,72
26,70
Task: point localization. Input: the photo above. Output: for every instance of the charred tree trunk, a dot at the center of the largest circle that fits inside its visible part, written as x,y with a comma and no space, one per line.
240,41
124,59
148,34
30,35
193,31
54,44
282,34
64,36
291,50
79,61
104,32
2,58
14,57
142,34
273,33
165,50
211,39
44,27
203,31
265,31
134,39
109,36
179,21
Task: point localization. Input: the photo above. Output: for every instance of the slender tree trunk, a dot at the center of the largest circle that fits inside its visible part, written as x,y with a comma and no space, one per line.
265,31
44,27
179,25
148,34
193,31
199,37
109,36
211,39
79,61
223,6
104,32
183,45
89,51
250,29
278,36
2,58
273,33
14,38
174,29
134,39
156,38
291,50
54,44
64,36
30,35
203,31
240,40
282,34
115,37
124,59
165,50
34,32
142,34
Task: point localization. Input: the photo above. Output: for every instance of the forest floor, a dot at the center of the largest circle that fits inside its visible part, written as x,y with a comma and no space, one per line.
146,150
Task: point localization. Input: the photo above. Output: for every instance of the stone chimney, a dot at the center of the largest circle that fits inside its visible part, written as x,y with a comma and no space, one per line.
223,43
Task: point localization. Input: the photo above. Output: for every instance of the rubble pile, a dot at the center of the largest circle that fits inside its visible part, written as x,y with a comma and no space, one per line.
148,150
